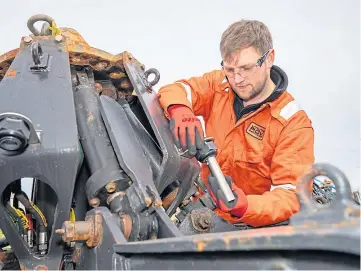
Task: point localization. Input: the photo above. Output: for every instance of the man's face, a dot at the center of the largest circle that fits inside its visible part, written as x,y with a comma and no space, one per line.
246,78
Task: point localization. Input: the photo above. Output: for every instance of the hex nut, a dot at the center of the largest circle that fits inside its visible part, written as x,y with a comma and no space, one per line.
14,134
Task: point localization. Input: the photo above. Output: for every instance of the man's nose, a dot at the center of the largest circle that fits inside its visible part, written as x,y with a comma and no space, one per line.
238,78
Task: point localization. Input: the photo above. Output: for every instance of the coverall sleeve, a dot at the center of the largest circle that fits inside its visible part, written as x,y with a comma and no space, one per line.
196,93
294,154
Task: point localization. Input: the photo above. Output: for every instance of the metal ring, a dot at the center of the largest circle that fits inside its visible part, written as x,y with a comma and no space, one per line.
156,74
36,53
12,141
36,18
33,138
343,188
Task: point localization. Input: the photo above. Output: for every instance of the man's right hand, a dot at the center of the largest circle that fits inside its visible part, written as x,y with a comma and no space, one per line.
186,129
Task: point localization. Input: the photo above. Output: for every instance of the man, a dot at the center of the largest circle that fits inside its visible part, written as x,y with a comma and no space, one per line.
265,141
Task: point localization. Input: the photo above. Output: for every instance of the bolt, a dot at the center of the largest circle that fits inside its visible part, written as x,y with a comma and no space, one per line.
28,39
101,65
94,202
203,221
58,38
111,187
125,84
89,230
60,231
98,87
14,134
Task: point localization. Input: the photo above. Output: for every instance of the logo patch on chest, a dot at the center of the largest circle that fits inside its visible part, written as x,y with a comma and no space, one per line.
256,131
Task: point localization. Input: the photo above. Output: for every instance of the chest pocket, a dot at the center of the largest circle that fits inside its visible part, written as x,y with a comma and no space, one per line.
250,145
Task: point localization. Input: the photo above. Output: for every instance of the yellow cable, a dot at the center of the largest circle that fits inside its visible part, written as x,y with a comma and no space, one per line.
72,215
23,218
40,214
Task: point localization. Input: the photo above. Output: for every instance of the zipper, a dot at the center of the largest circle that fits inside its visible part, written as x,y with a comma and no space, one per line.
244,118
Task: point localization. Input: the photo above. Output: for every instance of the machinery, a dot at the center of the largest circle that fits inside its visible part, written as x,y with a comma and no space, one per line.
110,190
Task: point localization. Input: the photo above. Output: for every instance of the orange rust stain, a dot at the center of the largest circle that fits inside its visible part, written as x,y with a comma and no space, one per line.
76,255
98,87
148,201
245,241
117,75
11,73
158,203
167,201
201,244
352,211
227,240
125,83
9,55
90,116
345,223
41,267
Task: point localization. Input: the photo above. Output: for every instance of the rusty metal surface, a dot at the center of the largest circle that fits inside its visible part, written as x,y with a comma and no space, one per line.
334,227
106,87
167,200
100,257
126,225
109,66
89,230
111,186
77,253
201,219
306,237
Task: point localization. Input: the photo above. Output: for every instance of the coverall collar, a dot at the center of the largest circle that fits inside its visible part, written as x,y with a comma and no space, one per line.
279,78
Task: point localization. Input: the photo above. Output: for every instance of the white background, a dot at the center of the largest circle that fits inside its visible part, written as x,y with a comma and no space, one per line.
317,44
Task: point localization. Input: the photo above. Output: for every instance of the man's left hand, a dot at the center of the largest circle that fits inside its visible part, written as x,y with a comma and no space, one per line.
237,207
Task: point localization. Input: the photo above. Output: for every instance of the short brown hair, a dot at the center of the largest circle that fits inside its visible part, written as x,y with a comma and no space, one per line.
243,34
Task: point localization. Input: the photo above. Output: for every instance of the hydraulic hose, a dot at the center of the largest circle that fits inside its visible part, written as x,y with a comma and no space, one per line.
16,218
3,242
39,217
34,210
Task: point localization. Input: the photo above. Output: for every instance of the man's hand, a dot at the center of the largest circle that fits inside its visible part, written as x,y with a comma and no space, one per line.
186,129
237,207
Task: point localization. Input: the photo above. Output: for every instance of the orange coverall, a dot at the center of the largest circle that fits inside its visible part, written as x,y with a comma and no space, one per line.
265,151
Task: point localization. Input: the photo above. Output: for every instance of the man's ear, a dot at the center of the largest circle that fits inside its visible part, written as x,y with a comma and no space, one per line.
270,59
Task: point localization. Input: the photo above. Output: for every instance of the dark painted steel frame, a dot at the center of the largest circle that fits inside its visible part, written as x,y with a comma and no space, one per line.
46,98
173,167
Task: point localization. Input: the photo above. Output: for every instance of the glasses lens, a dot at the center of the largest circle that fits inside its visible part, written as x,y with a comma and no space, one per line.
244,72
